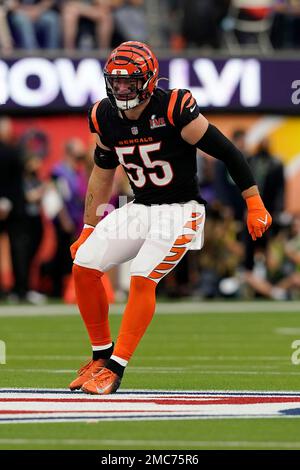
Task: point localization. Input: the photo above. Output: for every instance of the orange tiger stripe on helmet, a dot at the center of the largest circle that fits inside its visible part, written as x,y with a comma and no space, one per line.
133,59
134,51
138,44
140,48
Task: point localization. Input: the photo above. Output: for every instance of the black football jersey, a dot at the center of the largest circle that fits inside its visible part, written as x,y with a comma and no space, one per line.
160,165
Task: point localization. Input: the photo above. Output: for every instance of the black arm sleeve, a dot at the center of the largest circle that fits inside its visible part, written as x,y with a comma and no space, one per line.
106,159
218,146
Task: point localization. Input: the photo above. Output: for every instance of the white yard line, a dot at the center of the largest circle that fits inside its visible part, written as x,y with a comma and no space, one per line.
161,370
162,308
284,359
288,331
40,371
151,392
154,443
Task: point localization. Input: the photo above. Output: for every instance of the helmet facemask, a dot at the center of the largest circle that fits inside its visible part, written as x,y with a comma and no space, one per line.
127,92
131,74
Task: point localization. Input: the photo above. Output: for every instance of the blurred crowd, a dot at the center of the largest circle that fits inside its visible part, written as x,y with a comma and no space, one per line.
231,264
41,213
234,24
178,24
70,24
35,209
22,196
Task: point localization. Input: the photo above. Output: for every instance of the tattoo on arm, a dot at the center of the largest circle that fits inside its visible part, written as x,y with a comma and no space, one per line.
88,204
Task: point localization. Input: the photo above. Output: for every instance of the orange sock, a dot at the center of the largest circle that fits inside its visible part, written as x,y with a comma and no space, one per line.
92,303
137,316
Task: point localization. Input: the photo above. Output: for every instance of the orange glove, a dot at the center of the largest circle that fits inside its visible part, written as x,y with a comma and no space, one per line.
258,219
86,232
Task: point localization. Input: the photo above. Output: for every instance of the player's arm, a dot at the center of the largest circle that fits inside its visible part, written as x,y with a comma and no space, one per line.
100,184
98,192
207,137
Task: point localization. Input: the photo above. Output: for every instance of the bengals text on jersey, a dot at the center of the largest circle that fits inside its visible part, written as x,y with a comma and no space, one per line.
160,165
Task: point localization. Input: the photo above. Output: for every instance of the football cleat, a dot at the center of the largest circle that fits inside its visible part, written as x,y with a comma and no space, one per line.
103,383
86,373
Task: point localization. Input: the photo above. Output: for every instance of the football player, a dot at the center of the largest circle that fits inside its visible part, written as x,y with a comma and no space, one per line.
154,134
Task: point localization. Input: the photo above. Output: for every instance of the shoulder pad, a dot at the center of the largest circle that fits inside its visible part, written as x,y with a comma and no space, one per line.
182,107
95,114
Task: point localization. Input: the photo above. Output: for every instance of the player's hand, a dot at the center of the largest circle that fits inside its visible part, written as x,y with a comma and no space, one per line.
86,232
258,218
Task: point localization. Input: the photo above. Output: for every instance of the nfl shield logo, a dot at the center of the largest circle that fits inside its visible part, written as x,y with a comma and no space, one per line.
134,130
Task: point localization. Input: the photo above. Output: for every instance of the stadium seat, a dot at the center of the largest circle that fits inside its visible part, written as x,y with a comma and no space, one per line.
248,18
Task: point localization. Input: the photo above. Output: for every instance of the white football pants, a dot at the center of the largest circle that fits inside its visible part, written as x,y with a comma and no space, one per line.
156,238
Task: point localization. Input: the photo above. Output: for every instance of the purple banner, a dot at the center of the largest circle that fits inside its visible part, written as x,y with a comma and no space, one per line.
234,84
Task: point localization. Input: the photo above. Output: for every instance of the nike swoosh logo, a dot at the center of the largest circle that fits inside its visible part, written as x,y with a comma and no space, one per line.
264,221
94,374
102,390
193,108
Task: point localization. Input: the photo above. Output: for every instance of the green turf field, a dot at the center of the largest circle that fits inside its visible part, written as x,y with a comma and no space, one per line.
213,351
